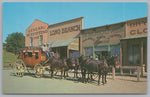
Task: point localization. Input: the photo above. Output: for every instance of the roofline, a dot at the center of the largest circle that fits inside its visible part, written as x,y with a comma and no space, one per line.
65,21
103,26
37,20
112,24
136,19
42,21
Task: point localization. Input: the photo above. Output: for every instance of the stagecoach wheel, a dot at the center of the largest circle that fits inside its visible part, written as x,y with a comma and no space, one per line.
30,70
79,73
38,70
19,68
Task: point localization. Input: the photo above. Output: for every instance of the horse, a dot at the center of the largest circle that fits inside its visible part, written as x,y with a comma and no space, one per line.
56,64
90,65
112,61
72,64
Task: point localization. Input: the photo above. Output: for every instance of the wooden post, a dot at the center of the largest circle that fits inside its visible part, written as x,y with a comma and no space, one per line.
113,72
121,71
93,52
80,45
130,72
142,58
67,52
138,73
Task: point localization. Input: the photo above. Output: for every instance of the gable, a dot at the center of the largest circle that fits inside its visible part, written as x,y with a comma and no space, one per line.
37,26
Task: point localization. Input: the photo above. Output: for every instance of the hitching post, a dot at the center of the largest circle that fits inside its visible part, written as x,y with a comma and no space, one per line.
138,73
113,72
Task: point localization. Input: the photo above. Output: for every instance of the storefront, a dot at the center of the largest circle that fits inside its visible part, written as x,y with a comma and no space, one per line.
102,41
63,38
36,34
134,45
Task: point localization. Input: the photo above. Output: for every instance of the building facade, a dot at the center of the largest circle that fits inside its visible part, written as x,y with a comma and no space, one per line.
102,41
36,34
63,37
127,40
134,45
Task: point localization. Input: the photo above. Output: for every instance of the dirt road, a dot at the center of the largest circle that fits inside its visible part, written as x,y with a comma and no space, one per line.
31,85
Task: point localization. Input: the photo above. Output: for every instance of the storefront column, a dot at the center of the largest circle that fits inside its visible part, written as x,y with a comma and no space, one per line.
121,71
93,52
109,50
80,45
67,52
141,58
83,50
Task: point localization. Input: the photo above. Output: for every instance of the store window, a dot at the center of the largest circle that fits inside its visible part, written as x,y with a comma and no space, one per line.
88,51
115,51
134,55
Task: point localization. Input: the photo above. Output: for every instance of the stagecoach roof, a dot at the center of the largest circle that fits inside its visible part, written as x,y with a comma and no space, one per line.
61,43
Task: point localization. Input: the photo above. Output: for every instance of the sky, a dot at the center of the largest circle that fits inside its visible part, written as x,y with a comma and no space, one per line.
18,16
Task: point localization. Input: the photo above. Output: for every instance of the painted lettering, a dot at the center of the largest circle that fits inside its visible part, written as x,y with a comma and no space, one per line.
65,30
138,31
133,32
145,30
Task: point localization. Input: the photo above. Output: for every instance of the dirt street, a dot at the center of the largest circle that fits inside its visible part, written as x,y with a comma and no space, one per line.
45,85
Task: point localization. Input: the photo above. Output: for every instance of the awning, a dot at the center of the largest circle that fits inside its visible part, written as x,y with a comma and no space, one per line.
61,43
134,37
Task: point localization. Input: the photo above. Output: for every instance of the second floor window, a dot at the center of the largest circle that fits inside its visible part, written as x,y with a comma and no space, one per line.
31,41
41,40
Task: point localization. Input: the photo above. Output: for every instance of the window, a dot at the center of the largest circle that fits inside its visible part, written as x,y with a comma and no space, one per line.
30,54
115,50
88,51
31,41
134,55
41,40
36,55
25,54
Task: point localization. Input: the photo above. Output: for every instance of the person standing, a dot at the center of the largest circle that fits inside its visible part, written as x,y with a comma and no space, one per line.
45,50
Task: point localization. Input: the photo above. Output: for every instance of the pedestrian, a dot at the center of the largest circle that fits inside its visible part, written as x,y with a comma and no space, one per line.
45,50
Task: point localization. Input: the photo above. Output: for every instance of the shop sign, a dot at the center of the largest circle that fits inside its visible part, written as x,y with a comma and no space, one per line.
36,29
65,30
138,27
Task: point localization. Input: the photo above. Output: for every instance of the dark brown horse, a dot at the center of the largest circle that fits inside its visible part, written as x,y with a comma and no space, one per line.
72,64
89,66
112,61
56,64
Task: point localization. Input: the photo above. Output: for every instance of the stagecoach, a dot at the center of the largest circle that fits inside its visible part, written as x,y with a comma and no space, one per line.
35,60
31,59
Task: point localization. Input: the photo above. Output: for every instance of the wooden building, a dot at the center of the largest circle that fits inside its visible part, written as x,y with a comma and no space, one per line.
133,50
102,41
63,37
127,40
